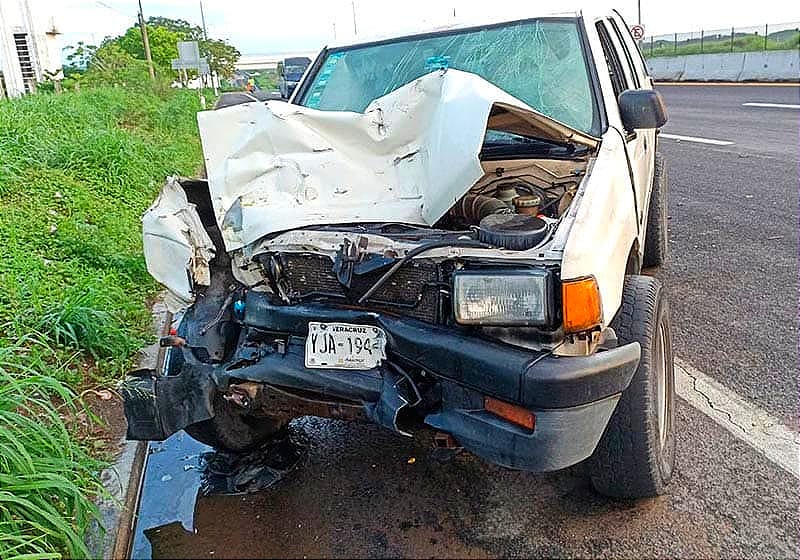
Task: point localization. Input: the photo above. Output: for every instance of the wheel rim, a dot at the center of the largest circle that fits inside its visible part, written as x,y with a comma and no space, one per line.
662,385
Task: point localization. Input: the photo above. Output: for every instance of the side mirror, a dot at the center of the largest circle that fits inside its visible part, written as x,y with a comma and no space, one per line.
642,108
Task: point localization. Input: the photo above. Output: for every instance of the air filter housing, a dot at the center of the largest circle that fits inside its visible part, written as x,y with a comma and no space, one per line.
512,231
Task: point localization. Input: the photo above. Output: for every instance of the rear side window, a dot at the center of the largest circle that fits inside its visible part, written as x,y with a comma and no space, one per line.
617,75
631,66
634,49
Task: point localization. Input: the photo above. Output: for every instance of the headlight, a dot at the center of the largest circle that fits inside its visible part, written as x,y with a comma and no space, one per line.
513,298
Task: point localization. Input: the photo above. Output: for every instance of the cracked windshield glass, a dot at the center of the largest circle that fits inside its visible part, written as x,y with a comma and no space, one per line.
540,62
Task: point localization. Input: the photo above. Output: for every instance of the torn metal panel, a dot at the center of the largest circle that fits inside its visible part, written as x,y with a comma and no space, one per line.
408,158
177,248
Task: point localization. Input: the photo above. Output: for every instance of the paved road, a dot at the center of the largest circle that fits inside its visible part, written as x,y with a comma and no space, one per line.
733,273
733,282
717,112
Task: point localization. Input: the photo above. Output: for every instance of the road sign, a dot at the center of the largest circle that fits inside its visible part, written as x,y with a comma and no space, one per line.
189,58
638,32
188,50
200,65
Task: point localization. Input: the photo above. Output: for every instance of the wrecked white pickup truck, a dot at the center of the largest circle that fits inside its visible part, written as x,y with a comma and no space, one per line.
444,229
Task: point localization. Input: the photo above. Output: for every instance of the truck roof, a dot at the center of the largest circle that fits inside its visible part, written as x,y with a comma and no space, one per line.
465,24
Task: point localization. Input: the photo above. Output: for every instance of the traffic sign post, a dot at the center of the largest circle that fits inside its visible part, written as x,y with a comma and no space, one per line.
638,32
189,59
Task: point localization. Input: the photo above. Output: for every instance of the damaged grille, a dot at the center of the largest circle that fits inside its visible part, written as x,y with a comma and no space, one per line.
412,291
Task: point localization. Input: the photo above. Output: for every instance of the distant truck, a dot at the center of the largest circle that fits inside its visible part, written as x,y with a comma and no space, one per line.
290,70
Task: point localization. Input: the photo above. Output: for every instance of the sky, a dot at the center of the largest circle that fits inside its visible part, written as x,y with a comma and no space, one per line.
269,26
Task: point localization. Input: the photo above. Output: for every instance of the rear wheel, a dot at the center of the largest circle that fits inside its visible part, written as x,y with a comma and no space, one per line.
656,238
229,430
636,455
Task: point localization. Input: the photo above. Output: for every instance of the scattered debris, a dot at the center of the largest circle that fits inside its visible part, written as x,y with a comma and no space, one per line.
245,473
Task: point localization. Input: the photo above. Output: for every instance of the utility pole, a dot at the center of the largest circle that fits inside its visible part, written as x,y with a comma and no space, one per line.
355,29
205,38
203,19
146,42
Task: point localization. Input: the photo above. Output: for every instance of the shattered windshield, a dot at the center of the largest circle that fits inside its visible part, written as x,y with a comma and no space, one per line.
541,62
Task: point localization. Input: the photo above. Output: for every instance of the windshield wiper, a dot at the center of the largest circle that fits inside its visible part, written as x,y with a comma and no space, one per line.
530,147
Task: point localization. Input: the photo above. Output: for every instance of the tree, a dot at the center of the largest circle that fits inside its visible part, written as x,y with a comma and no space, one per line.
186,29
120,59
79,58
163,44
221,56
113,65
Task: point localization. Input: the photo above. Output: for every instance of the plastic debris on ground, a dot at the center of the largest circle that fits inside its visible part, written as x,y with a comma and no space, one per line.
253,471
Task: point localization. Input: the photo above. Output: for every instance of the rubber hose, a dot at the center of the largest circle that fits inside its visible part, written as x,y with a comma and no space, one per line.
474,207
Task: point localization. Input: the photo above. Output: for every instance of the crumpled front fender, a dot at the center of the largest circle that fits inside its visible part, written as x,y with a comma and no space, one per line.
177,248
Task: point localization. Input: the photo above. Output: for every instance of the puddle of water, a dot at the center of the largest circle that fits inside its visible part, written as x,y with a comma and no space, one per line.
169,490
180,470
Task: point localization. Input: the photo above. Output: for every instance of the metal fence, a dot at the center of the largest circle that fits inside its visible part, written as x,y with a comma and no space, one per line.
767,37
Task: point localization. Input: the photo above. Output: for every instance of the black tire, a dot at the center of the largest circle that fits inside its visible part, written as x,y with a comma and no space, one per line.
229,430
634,458
656,246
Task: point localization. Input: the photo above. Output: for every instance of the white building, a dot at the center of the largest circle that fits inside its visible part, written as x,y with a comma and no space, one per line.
29,46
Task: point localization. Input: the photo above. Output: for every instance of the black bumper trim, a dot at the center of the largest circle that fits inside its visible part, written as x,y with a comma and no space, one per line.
507,372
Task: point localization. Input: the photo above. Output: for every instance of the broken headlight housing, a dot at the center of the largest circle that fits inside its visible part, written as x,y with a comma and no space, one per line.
504,297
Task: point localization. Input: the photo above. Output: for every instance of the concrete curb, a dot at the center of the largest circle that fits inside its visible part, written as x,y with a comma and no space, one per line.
122,480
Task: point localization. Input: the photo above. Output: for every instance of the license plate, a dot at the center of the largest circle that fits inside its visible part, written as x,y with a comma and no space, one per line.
344,346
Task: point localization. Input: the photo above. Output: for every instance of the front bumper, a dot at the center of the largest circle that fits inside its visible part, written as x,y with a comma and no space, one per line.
572,397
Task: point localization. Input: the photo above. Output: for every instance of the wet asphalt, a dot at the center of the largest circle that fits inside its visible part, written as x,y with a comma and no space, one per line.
361,491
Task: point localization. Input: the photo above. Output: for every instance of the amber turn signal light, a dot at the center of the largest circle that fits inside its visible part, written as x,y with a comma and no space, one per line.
581,304
511,412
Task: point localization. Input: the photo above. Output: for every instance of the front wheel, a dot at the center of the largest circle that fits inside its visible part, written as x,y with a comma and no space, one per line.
636,455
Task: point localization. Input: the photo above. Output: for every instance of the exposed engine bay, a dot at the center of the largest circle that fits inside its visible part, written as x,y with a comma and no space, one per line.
406,269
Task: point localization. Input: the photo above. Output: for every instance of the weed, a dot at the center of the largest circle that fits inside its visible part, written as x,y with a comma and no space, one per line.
46,478
76,173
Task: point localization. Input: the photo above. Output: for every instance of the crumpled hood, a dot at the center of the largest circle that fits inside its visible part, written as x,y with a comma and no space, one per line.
408,158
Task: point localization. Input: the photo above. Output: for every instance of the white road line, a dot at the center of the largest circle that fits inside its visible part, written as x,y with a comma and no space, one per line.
772,105
695,139
744,420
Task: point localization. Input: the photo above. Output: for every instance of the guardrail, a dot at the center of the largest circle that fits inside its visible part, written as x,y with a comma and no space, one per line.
761,66
767,37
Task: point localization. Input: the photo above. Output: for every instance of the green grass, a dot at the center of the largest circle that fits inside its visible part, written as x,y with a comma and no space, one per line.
76,173
712,44
46,479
